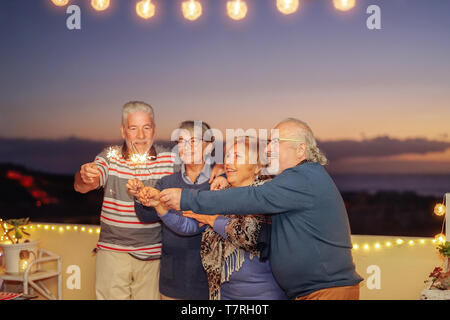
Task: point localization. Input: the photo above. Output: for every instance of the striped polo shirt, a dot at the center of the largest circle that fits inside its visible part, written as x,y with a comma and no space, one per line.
121,230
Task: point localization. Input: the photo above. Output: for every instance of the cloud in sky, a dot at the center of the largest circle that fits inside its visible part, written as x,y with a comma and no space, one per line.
377,155
381,147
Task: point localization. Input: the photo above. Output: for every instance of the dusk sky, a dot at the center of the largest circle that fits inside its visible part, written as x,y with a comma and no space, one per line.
319,65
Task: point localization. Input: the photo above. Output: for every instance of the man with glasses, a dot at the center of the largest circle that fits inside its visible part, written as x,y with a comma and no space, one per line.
310,252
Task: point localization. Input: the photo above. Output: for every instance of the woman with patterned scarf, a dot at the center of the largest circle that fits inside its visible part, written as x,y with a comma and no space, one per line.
233,247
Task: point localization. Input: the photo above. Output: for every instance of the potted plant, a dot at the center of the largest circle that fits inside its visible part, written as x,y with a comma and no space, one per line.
18,252
439,278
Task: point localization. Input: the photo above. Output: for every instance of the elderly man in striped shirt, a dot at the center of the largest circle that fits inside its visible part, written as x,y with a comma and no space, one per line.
127,265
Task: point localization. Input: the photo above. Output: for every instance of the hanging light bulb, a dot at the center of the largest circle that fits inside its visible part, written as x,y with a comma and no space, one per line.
191,9
60,3
100,5
440,238
344,5
145,9
287,6
237,9
439,209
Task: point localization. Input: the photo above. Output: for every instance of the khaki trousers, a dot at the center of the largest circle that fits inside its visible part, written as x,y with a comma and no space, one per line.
334,293
119,276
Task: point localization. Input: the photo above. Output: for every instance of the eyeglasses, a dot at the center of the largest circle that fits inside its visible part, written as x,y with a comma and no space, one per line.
277,140
192,142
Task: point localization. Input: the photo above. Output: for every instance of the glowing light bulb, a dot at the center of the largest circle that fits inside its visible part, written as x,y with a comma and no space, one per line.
411,243
366,247
191,9
399,241
60,3
388,244
100,5
287,6
439,209
344,5
145,9
355,246
377,246
440,238
237,9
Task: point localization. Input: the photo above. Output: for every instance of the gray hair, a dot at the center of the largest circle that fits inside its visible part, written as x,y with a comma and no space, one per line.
133,106
305,134
191,125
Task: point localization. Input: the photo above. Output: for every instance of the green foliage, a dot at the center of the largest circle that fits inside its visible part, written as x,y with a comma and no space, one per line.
16,226
444,249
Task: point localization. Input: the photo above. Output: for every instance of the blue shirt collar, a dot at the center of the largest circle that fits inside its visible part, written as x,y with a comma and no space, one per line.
204,174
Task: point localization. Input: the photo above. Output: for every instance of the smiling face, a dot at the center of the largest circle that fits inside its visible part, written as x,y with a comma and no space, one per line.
138,132
192,149
286,154
240,165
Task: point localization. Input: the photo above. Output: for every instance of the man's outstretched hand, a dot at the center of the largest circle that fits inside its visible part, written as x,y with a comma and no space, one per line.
171,198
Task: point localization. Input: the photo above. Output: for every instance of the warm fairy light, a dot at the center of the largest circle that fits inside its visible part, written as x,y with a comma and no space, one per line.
440,238
90,230
237,9
68,227
344,5
377,245
287,6
112,153
388,244
145,9
355,246
399,241
192,9
366,247
23,265
61,229
138,158
46,227
75,228
83,228
98,230
100,5
411,243
60,3
422,241
439,209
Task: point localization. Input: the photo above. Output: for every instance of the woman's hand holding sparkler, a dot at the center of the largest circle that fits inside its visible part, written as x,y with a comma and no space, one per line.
135,186
149,197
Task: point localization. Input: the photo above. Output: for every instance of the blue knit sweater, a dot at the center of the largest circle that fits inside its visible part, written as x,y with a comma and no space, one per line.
310,242
182,275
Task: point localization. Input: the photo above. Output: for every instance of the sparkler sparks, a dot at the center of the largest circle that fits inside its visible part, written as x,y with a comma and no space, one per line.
113,152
